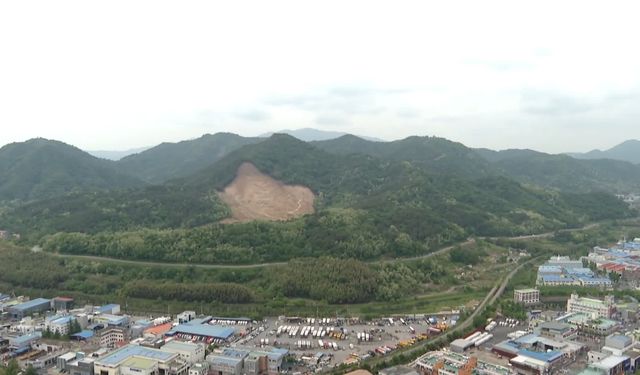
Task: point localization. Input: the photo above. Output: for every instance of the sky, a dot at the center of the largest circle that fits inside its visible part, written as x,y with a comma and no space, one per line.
554,76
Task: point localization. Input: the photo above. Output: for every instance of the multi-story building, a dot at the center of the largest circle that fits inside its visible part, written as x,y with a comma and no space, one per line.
59,324
188,351
237,361
140,360
37,305
526,296
110,337
591,306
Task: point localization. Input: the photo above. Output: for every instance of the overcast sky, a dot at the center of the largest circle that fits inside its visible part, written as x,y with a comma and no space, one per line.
553,76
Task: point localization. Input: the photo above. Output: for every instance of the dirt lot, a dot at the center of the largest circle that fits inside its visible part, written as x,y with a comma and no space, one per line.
255,196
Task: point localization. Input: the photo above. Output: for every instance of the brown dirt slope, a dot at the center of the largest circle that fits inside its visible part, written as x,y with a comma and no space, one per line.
255,196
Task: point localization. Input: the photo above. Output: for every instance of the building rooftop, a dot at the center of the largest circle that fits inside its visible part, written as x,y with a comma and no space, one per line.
31,304
84,335
203,330
26,338
109,307
528,290
610,362
226,361
182,346
120,355
160,329
139,363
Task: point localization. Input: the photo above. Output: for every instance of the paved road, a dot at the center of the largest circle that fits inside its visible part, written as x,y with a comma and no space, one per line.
491,298
260,265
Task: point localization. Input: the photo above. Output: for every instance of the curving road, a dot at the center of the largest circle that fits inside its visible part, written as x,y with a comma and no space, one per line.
273,264
491,298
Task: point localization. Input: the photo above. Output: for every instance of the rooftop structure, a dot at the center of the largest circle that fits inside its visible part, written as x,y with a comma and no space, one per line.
202,331
526,296
594,307
445,362
37,305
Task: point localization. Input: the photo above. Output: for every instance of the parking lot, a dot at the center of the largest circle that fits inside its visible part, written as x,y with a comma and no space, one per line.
342,339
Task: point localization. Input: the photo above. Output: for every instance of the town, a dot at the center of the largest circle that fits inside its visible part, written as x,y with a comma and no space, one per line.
574,335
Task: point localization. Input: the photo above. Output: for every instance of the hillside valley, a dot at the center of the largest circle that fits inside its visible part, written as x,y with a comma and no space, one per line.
408,200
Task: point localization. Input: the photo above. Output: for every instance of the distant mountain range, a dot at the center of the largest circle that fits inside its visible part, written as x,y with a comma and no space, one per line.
116,155
310,135
626,151
41,168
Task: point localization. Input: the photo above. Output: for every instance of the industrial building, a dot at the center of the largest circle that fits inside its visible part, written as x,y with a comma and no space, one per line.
36,306
111,337
202,332
449,363
59,324
140,360
594,307
63,303
526,296
538,354
22,344
188,351
237,361
562,271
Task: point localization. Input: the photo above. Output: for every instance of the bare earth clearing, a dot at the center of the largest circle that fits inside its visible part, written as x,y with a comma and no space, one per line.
255,196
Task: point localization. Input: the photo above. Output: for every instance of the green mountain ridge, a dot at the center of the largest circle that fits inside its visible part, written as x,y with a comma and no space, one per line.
626,151
367,208
41,168
176,160
566,173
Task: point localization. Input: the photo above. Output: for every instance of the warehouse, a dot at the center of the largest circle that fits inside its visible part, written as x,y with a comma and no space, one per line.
140,360
189,352
202,332
37,305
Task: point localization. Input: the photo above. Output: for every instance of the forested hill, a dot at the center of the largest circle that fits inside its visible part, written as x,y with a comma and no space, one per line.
41,168
176,160
566,173
366,208
625,151
440,156
436,155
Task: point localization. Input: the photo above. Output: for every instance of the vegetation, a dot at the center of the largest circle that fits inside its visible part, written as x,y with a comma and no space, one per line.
177,160
367,208
566,173
300,285
41,168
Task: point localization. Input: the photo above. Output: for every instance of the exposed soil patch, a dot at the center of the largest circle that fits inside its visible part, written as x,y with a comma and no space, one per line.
255,196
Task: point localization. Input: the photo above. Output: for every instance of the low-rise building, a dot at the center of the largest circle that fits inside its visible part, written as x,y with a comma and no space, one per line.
188,351
140,360
526,296
59,324
112,336
445,362
237,361
591,306
36,306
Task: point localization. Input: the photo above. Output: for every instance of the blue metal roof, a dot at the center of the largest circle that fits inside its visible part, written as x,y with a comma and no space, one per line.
557,278
549,269
31,304
108,307
61,320
541,356
227,361
579,271
599,280
203,330
26,338
128,351
84,335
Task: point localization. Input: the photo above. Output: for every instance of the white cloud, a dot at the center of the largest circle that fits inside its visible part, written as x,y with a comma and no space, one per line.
123,74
